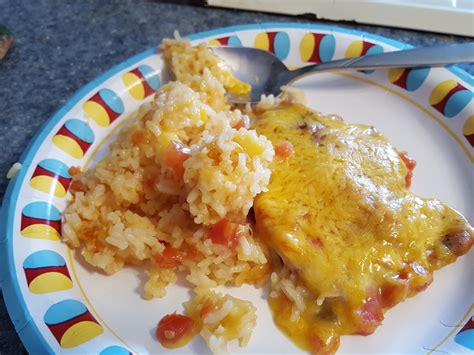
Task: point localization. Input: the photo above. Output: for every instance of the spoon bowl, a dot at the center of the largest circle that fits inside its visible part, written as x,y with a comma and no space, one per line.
267,74
254,66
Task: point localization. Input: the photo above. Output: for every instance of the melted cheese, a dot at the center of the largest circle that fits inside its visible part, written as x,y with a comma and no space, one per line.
338,213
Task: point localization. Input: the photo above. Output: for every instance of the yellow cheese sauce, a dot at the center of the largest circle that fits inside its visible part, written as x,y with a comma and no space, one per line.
338,213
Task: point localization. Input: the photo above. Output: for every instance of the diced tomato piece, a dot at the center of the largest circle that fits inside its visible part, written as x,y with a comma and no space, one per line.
420,283
192,254
408,178
317,242
74,170
284,149
142,137
240,124
77,186
370,316
459,243
175,156
225,233
410,164
175,330
433,257
150,179
404,273
169,258
393,293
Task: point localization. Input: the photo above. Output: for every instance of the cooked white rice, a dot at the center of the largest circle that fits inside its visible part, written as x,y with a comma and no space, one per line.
135,206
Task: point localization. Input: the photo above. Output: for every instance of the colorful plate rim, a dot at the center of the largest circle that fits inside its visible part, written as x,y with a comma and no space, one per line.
16,305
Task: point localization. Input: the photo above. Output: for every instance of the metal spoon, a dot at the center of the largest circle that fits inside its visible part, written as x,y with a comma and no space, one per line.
266,73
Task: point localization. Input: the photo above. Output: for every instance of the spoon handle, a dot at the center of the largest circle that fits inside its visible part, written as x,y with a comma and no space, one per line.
410,58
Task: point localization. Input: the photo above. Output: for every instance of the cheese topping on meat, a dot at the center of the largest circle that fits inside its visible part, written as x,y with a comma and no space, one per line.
339,214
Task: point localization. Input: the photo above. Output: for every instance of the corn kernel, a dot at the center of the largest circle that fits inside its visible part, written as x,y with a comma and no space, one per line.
250,145
203,115
165,138
235,86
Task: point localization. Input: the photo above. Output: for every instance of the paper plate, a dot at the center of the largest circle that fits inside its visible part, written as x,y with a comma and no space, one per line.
60,305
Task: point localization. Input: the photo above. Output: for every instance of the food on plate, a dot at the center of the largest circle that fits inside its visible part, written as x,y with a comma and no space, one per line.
189,64
339,214
175,330
174,192
222,318
275,194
